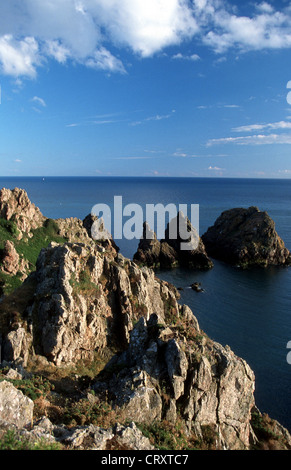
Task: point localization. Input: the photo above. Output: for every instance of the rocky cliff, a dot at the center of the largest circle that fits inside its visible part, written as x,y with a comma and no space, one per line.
246,237
95,341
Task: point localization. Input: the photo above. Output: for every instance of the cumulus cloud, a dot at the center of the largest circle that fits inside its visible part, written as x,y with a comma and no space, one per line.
85,31
192,57
19,57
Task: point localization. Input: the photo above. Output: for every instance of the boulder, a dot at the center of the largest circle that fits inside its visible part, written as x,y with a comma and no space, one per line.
246,237
15,408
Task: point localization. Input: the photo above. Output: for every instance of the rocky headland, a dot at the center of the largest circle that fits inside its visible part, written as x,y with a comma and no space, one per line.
98,353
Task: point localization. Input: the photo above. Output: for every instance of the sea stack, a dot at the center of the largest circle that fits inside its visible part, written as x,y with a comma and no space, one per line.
169,252
246,237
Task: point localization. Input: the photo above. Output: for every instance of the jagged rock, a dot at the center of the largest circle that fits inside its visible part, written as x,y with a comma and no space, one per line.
94,226
16,344
189,246
211,386
246,237
83,301
16,206
73,230
15,408
171,251
10,259
130,437
91,437
86,297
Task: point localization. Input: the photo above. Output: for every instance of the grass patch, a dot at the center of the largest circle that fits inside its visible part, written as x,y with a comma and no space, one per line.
28,248
10,440
84,284
166,436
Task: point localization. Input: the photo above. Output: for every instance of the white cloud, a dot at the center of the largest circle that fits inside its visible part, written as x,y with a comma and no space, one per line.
259,139
104,60
19,57
267,30
157,117
265,7
145,26
85,30
259,127
38,100
214,168
192,57
55,49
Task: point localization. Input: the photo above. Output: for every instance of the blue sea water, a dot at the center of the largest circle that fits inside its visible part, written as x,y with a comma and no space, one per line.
250,310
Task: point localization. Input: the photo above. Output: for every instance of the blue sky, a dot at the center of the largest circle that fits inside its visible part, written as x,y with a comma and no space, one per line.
155,88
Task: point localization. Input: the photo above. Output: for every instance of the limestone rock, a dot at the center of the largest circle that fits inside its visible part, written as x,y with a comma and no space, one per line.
15,408
246,237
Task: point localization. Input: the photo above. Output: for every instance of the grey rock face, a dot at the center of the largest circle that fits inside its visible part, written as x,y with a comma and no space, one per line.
212,386
15,408
84,301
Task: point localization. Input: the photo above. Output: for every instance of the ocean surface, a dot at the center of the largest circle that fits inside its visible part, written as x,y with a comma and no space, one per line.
249,310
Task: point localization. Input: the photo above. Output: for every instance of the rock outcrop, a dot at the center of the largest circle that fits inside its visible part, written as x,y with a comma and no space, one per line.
16,206
85,300
246,237
172,250
15,407
162,375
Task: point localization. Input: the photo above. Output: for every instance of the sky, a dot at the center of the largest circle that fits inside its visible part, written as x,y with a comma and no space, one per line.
145,88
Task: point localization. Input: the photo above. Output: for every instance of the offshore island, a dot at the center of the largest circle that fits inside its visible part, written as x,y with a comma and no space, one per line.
97,353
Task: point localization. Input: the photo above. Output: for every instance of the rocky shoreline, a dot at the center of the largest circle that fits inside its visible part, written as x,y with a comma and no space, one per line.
97,352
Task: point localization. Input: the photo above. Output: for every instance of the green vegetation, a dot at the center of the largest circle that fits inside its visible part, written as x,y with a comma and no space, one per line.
10,440
28,248
166,436
266,432
35,387
84,284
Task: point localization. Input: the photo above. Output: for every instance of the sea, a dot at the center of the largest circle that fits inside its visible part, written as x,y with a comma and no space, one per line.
248,310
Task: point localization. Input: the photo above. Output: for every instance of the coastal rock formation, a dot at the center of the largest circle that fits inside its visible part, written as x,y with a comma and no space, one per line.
84,304
246,237
84,300
172,250
15,206
162,372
